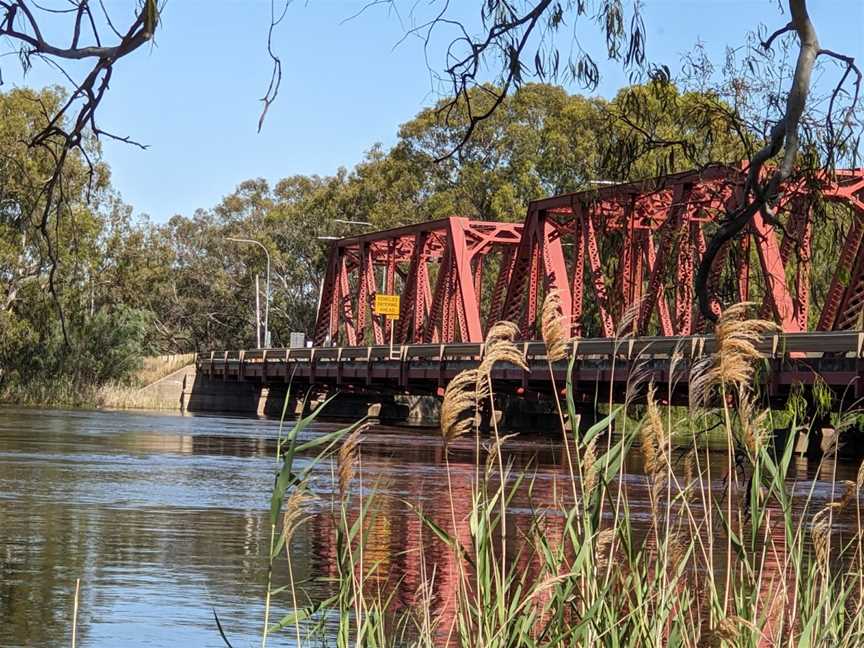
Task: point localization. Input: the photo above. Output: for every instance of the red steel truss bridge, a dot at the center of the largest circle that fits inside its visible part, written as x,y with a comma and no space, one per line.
623,259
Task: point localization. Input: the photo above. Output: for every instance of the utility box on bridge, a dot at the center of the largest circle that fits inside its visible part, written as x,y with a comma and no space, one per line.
297,340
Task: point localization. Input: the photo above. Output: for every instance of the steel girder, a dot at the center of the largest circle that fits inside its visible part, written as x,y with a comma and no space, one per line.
641,242
623,258
437,268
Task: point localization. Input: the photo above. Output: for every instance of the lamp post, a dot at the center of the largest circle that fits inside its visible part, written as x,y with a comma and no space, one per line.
266,289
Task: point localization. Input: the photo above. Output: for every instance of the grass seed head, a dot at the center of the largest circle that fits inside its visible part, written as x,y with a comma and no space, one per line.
502,330
734,362
458,411
602,542
729,629
348,458
653,445
753,424
820,532
553,326
629,319
689,465
850,493
292,515
501,351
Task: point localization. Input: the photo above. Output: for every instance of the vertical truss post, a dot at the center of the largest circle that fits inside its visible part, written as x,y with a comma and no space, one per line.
390,281
684,279
347,306
478,276
578,278
774,273
556,267
434,328
468,302
327,322
670,232
587,219
536,235
412,296
423,301
499,292
521,273
366,296
625,281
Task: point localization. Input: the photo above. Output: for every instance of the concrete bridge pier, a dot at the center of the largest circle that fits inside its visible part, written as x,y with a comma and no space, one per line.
352,407
540,417
215,395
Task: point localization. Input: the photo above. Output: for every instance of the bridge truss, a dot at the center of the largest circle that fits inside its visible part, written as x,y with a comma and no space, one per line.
621,257
437,268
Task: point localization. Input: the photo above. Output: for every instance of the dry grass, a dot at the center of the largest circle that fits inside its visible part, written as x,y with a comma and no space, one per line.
733,365
470,388
501,351
458,411
293,515
348,453
157,367
502,331
654,447
141,395
583,575
553,327
124,397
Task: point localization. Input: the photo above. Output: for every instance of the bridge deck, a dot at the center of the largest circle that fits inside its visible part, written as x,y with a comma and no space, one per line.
602,364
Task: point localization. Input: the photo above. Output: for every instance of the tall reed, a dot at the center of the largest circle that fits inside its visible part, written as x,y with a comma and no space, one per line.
737,553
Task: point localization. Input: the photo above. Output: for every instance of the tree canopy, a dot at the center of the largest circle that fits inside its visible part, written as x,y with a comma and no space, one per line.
183,285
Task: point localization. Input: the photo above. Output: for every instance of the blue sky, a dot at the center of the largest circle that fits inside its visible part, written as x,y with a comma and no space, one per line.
194,96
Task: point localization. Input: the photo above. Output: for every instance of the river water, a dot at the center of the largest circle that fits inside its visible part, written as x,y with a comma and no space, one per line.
163,518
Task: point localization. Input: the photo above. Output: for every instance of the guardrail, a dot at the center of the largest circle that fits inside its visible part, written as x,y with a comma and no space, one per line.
793,355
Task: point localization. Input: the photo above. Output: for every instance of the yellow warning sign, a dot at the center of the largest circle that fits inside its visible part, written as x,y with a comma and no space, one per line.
387,305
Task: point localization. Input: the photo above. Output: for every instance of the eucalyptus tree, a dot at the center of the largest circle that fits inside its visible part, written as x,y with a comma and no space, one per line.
508,44
514,41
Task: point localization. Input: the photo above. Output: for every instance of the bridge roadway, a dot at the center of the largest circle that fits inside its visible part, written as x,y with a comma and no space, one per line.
601,364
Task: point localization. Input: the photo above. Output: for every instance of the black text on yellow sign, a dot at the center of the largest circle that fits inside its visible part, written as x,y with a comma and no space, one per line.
387,305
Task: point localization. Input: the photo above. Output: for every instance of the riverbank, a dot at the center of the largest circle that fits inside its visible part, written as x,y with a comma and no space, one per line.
142,390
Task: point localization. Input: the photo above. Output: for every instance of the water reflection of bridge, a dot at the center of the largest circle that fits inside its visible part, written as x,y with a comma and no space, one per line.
163,524
404,551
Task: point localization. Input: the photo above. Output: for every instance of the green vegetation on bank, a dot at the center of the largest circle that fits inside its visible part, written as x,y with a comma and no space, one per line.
87,292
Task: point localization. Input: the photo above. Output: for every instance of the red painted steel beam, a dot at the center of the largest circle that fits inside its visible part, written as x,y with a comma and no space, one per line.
402,259
613,232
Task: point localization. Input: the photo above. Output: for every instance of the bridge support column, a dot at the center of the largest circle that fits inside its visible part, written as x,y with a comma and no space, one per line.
352,407
522,415
217,395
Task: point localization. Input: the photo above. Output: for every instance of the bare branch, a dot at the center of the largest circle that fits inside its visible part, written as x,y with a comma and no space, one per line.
783,137
66,129
276,74
766,44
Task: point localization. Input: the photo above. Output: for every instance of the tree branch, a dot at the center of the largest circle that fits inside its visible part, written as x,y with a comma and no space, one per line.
783,138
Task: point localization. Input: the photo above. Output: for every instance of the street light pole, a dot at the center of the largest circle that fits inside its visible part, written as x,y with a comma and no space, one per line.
266,289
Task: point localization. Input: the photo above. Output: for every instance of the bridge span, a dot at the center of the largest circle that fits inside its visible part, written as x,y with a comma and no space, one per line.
601,366
622,260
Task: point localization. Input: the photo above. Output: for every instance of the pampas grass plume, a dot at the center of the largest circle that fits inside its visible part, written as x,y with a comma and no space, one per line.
552,326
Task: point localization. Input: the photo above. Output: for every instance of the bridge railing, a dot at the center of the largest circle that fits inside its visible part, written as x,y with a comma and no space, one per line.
848,344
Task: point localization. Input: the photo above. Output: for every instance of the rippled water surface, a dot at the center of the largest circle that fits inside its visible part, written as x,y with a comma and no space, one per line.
162,518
